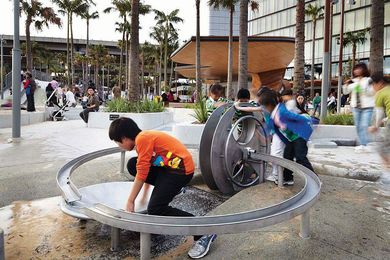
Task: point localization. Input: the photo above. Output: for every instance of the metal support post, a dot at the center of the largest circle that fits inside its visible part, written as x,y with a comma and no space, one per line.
122,170
340,68
1,67
16,69
280,176
2,250
305,225
115,233
145,246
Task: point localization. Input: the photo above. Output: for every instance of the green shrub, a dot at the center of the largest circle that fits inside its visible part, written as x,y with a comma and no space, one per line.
190,105
341,119
200,112
124,106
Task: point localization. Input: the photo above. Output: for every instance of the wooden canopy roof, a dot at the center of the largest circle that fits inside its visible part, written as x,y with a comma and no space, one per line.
264,54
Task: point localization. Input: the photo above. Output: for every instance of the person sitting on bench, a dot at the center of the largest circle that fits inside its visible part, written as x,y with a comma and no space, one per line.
164,162
92,104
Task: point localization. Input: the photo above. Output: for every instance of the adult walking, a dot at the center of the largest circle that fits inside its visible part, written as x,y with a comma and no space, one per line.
362,102
92,104
317,104
29,86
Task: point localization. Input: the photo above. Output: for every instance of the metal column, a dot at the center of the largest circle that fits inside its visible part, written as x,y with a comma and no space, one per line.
115,236
1,66
305,225
280,176
340,68
16,69
145,242
2,250
325,63
122,169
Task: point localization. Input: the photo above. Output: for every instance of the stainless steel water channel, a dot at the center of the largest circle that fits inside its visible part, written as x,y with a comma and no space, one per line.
118,219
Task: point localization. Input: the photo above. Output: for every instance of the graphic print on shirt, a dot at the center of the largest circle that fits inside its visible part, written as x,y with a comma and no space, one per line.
168,160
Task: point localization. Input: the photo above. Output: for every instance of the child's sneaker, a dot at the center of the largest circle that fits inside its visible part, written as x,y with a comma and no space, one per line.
271,178
201,247
286,183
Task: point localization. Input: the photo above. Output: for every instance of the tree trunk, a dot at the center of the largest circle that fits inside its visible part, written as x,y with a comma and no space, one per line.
376,37
353,56
230,91
29,57
127,60
67,49
71,49
198,72
160,72
166,55
313,51
121,57
243,48
171,74
299,58
134,52
86,50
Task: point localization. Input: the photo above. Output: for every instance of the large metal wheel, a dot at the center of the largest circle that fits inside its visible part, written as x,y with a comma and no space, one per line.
205,146
252,139
229,169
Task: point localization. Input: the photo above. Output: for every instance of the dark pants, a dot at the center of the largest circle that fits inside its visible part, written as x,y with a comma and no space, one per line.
298,150
166,186
85,113
30,102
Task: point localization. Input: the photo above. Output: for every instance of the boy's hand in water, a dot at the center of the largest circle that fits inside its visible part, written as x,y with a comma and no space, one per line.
130,206
373,129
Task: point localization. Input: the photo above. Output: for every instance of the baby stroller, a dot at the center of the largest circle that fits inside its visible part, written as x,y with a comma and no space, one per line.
60,107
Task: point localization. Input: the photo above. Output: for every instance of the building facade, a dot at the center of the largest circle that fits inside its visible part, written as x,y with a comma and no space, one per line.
219,21
277,18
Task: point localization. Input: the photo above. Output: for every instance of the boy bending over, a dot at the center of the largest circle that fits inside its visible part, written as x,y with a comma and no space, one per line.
163,162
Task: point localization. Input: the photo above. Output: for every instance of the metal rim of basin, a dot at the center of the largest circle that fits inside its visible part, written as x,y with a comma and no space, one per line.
220,224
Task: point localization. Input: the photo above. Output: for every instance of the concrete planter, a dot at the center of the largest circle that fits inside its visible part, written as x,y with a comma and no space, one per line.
145,121
26,118
335,132
188,133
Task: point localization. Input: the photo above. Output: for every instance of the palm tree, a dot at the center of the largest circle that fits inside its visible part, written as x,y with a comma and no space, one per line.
158,35
354,39
376,39
89,16
243,42
299,58
70,8
230,5
97,56
39,16
133,87
314,12
167,21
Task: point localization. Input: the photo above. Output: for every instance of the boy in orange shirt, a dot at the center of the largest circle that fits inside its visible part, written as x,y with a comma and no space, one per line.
164,162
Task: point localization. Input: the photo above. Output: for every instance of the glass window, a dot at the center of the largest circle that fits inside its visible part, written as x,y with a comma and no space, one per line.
387,13
359,19
350,21
336,24
320,28
274,22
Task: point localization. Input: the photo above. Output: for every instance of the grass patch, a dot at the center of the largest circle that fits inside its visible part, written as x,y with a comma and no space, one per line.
145,106
341,119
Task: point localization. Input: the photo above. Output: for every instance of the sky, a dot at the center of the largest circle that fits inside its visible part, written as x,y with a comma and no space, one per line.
104,27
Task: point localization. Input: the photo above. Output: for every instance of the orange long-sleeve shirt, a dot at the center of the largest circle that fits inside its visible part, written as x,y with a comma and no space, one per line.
156,148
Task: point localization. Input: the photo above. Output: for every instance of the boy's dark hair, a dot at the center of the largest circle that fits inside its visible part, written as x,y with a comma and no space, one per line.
123,127
263,90
287,92
90,87
363,67
377,77
269,98
216,89
243,94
